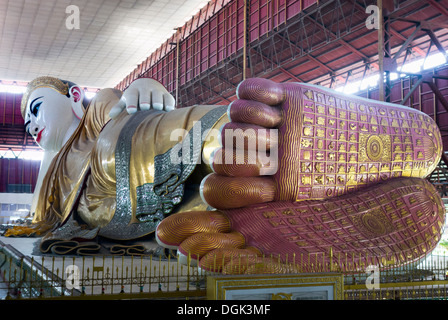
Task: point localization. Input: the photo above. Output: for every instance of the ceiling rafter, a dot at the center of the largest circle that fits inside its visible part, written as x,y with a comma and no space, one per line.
439,7
339,39
391,30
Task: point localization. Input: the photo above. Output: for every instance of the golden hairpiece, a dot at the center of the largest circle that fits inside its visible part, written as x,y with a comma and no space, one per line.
42,82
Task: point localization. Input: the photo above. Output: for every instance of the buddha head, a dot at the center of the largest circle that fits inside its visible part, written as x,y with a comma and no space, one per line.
51,108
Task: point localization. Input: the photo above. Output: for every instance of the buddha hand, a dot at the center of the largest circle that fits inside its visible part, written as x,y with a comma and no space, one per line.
144,93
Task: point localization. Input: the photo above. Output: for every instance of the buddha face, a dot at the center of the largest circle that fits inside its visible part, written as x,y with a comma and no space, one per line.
50,115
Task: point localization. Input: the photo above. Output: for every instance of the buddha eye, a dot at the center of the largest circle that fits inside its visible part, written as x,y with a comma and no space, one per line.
35,105
35,108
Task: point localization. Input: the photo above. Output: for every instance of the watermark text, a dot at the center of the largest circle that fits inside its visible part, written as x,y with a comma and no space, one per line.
72,21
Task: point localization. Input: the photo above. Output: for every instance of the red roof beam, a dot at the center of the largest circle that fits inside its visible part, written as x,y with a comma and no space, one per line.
439,7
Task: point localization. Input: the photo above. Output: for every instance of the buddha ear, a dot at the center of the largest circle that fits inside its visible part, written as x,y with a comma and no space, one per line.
77,97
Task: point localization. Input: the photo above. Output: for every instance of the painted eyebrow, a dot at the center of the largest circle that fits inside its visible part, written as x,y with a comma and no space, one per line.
32,103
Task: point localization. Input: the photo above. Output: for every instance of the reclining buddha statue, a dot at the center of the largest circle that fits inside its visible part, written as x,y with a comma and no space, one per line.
285,169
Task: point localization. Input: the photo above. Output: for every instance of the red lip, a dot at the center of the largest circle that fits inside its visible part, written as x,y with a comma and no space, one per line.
39,135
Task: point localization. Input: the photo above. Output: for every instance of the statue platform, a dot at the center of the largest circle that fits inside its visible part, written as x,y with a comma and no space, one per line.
26,273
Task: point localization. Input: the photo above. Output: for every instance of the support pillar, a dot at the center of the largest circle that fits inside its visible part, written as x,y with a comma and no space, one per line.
385,61
246,40
380,49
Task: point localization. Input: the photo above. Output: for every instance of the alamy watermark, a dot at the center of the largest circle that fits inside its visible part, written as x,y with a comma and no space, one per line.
373,279
372,21
73,19
72,277
248,146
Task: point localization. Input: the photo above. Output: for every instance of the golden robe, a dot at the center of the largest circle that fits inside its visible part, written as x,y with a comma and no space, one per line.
82,178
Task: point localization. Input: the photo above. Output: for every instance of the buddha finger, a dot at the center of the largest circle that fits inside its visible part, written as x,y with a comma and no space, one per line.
144,100
218,259
130,97
174,229
196,246
223,192
157,100
169,102
242,163
117,109
261,90
254,112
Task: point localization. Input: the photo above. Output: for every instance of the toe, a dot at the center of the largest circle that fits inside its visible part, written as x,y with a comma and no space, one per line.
199,244
223,192
242,163
173,230
262,90
254,112
248,136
